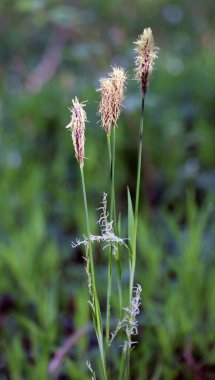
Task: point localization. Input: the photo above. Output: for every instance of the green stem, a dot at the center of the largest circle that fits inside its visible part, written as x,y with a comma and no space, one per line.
133,258
109,291
109,280
111,153
123,372
85,206
113,206
119,284
97,312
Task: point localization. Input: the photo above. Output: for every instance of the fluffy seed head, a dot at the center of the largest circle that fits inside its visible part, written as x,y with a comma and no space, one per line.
107,235
77,128
105,106
112,95
129,323
118,78
146,55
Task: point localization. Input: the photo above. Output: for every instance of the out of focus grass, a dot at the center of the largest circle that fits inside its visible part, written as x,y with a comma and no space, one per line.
43,295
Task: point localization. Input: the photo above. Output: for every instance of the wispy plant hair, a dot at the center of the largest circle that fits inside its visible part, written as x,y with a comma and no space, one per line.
77,128
146,55
129,323
107,232
112,90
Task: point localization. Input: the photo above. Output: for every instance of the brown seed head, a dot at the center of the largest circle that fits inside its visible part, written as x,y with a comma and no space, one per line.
105,106
118,78
146,55
77,128
112,95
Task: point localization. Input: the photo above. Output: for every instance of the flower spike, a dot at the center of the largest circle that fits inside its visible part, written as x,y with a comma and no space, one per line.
146,55
77,128
112,95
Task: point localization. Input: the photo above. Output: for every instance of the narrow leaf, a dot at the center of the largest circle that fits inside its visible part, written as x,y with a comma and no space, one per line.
119,225
130,218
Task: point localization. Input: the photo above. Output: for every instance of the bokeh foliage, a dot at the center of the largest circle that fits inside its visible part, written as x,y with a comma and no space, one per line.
51,51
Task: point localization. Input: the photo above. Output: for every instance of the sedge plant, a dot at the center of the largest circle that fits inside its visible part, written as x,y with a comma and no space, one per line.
146,54
112,89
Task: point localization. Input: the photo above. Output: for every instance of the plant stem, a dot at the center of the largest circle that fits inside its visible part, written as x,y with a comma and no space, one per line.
85,206
124,362
113,205
109,291
111,152
134,245
96,311
119,274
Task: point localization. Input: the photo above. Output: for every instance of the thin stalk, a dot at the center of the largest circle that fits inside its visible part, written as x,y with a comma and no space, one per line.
97,312
109,291
111,152
133,258
123,372
125,357
118,257
119,284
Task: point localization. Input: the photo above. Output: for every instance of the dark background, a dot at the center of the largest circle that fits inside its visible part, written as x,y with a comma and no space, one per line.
50,52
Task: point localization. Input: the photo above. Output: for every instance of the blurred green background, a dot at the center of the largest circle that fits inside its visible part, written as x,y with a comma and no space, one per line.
51,51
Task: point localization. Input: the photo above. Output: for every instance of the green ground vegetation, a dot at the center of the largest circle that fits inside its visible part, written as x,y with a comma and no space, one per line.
50,52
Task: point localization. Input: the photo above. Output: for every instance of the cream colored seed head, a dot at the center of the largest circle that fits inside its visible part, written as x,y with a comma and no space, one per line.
118,78
112,95
146,55
105,106
77,128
